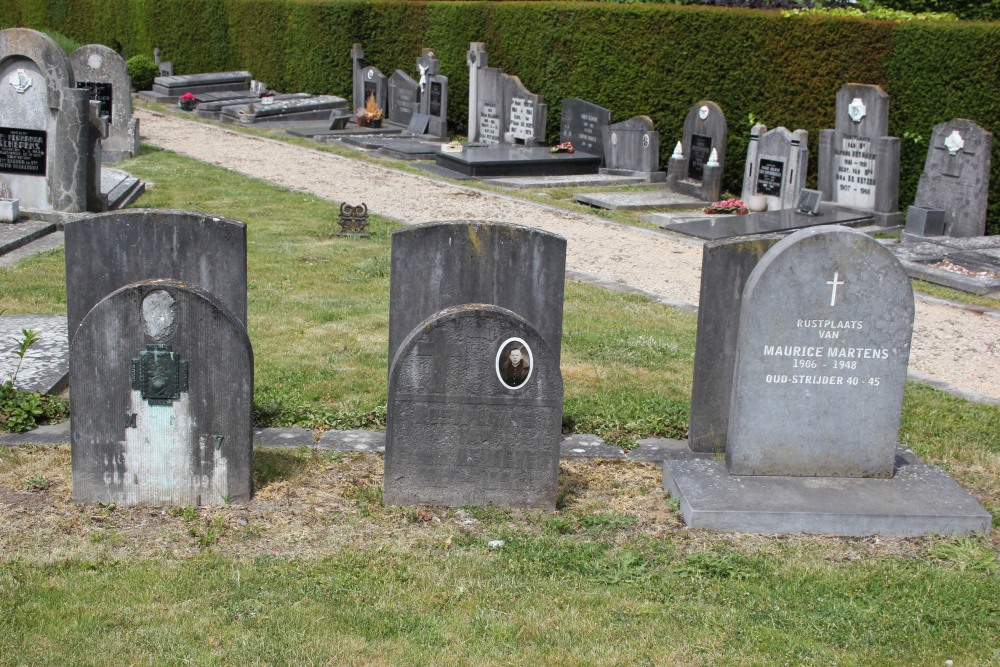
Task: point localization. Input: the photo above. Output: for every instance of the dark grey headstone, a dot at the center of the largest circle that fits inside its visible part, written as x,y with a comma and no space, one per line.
776,166
693,171
584,124
442,264
858,162
462,428
956,176
725,267
162,379
103,73
403,93
49,146
632,146
501,109
824,341
106,251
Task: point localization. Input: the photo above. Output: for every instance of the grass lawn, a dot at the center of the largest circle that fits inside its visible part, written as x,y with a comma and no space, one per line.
316,571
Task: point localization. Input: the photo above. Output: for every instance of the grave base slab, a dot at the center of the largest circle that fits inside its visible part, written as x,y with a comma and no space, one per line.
918,500
506,160
46,364
716,227
639,201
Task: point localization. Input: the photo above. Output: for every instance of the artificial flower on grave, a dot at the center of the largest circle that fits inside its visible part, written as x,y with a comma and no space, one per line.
564,147
731,206
369,113
187,102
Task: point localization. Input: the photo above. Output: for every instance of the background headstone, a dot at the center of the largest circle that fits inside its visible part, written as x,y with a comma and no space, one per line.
858,162
49,142
458,434
106,251
632,147
776,166
433,94
956,176
162,381
694,173
442,264
824,341
584,124
403,93
505,111
102,71
725,267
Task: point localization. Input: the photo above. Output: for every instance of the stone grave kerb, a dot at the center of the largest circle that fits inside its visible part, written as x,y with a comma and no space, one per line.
696,170
776,165
38,96
162,378
99,67
824,341
438,265
858,166
956,176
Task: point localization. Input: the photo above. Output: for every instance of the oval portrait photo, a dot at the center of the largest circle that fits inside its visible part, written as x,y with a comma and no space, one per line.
514,362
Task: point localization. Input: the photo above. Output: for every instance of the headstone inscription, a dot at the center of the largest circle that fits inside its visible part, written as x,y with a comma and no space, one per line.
858,163
583,124
103,73
501,109
696,169
632,148
821,359
956,176
49,134
107,251
776,165
725,267
162,379
475,392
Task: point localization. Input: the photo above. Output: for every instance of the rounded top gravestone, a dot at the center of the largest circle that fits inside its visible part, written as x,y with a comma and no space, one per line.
824,343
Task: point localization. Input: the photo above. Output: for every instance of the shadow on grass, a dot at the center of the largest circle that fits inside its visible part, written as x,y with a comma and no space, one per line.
571,484
276,465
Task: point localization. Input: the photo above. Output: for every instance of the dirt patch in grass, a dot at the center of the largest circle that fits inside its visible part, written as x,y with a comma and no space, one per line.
309,503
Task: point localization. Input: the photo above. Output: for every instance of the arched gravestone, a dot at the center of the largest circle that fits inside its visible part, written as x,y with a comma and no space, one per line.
103,74
162,379
443,264
823,346
693,172
465,427
776,165
109,250
47,139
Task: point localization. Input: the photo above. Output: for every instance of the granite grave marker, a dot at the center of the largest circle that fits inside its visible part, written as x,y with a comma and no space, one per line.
403,94
632,148
103,73
776,166
368,81
501,109
583,124
695,168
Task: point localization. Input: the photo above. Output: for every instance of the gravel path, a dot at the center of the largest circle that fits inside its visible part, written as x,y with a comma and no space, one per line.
953,347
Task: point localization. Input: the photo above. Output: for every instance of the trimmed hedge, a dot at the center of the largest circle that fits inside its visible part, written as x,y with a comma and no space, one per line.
648,59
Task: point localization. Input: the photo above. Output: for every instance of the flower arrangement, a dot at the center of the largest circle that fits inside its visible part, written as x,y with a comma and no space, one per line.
187,102
728,206
564,147
370,113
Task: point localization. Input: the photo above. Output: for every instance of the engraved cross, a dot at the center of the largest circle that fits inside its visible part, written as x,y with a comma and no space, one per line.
833,292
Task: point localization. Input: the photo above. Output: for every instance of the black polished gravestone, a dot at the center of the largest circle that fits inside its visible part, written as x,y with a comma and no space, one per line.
442,264
162,380
512,160
583,124
474,413
106,251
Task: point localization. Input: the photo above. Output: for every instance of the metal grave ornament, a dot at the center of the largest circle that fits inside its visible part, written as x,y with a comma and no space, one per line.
159,375
353,220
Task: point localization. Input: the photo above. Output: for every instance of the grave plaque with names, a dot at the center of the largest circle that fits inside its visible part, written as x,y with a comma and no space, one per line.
769,176
824,341
99,92
489,124
436,98
583,125
701,150
522,123
22,151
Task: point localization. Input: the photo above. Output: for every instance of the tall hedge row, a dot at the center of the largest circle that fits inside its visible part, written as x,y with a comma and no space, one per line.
649,59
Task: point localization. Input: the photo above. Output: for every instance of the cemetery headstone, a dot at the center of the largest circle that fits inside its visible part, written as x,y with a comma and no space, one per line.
824,341
776,166
505,111
725,267
696,169
956,176
368,81
106,251
103,73
166,67
583,124
49,134
475,392
858,161
162,380
433,95
403,94
632,147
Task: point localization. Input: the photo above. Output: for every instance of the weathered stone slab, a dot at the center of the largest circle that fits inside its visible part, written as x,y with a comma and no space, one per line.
713,227
918,500
584,446
570,181
725,267
352,440
970,264
102,72
696,170
584,124
464,426
956,176
776,166
443,264
277,438
824,341
312,107
511,160
46,364
208,82
18,234
632,147
162,379
106,251
638,201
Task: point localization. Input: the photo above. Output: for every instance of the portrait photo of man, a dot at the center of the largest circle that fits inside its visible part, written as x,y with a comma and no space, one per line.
514,363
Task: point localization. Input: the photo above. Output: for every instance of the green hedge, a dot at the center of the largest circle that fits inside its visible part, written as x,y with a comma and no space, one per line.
649,59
